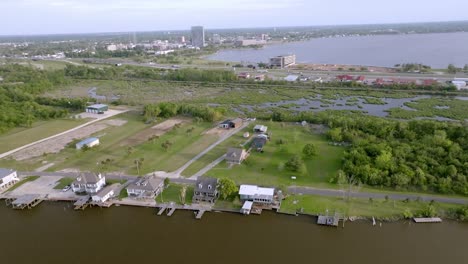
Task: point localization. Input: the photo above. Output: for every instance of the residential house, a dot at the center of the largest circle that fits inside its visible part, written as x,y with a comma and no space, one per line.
105,194
231,123
259,142
206,190
89,183
243,75
236,155
146,188
8,178
256,194
260,129
97,108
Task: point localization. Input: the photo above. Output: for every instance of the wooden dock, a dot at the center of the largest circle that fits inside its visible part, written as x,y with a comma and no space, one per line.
82,203
161,210
171,211
200,214
427,220
26,201
330,220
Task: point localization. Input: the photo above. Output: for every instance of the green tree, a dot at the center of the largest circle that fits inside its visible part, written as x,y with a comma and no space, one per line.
294,164
451,68
335,134
227,187
309,150
465,68
166,182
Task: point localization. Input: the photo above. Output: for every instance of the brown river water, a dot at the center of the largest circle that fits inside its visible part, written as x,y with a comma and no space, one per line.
55,233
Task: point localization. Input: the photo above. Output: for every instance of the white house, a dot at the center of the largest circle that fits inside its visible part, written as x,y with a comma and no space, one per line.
256,194
104,194
260,129
8,178
89,183
247,207
89,142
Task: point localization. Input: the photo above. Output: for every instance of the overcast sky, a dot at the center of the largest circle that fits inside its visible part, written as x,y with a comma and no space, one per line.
20,17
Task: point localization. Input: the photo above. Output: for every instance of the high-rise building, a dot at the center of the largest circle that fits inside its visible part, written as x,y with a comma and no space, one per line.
198,36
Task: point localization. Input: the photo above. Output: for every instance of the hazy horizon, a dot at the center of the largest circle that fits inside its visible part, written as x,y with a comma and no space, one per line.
50,17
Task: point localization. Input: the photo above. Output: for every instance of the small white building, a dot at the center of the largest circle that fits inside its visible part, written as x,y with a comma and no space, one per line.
256,194
247,207
8,178
104,194
89,183
260,129
291,78
89,142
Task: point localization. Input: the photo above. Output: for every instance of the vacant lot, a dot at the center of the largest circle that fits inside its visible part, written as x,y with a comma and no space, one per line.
21,136
117,154
268,168
155,131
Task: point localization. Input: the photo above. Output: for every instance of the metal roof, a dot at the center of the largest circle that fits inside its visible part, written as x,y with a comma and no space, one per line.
255,190
87,141
5,172
97,106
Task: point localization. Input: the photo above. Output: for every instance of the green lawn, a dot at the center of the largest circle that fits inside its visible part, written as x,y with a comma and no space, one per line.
378,208
63,182
21,136
23,181
268,169
173,194
114,147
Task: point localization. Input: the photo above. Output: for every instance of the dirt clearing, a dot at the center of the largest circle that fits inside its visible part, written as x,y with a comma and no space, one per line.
217,131
157,130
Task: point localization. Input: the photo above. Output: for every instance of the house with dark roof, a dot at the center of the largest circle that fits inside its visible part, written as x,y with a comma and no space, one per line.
236,155
206,190
89,183
145,188
228,124
7,178
259,142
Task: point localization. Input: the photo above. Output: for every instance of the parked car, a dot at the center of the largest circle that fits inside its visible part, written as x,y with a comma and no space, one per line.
66,188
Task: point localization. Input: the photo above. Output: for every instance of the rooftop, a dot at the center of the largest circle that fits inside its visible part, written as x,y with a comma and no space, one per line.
97,106
146,184
87,141
206,184
5,172
255,190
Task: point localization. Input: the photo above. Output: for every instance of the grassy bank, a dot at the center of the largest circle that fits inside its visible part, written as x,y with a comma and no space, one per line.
173,194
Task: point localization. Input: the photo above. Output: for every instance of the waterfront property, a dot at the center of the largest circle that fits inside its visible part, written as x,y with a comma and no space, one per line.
236,155
247,207
89,183
256,194
105,194
97,108
228,124
283,61
145,188
89,143
206,190
7,178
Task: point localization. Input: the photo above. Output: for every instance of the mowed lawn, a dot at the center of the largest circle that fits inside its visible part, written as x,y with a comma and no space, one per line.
114,149
268,168
22,136
379,208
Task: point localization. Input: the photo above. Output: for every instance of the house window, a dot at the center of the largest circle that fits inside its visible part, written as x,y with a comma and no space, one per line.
209,187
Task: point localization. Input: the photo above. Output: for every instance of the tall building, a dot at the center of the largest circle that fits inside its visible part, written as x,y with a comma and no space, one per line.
198,36
283,61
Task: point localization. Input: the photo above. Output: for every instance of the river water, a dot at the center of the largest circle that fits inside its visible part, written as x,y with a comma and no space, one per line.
55,233
436,50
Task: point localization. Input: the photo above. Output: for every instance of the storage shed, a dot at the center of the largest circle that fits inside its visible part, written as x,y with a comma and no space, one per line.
97,108
89,142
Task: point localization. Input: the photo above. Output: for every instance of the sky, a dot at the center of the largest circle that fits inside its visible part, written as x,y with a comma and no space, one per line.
25,17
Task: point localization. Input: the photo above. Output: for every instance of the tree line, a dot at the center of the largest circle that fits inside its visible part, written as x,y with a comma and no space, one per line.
167,109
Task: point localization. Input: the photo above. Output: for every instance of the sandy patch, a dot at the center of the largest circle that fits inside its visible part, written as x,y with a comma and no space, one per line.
55,145
157,130
115,122
216,131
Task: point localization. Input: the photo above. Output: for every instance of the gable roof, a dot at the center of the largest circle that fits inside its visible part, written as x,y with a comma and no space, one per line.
235,153
206,185
259,142
146,184
88,178
87,141
5,172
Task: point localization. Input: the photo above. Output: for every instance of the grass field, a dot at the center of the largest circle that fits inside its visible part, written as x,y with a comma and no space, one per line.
114,149
173,194
21,136
267,168
63,182
378,208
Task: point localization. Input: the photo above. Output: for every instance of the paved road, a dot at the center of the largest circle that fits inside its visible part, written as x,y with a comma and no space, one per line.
366,195
98,118
177,173
208,167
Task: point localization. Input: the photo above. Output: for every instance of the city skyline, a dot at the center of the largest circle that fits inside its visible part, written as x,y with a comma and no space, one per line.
36,17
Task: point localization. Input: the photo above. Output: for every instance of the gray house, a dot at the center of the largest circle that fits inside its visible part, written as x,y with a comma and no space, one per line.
206,190
145,188
236,155
89,183
259,142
